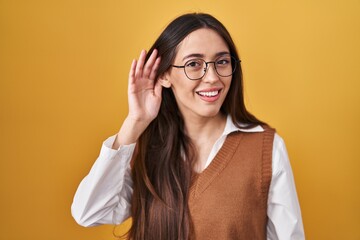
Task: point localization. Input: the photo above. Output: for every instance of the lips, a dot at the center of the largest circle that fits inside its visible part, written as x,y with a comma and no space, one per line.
209,95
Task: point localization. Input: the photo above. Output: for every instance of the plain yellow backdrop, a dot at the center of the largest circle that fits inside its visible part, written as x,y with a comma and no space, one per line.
63,80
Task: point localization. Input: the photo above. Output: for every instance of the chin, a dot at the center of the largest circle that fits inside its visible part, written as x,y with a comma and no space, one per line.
210,113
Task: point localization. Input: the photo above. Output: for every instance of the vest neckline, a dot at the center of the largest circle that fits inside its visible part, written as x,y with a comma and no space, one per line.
201,181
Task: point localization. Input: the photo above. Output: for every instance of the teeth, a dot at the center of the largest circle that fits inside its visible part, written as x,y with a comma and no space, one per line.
209,94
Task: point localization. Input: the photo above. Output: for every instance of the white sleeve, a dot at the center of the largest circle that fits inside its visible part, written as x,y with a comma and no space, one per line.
284,214
104,195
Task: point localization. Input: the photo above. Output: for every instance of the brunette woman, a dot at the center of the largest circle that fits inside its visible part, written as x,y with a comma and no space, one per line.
189,161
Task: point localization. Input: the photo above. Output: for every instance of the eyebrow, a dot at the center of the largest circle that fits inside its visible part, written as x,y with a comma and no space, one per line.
199,55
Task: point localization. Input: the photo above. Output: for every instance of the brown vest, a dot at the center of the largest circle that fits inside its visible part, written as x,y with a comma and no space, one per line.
228,200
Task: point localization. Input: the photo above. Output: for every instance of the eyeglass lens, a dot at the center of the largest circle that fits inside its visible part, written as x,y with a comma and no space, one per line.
196,68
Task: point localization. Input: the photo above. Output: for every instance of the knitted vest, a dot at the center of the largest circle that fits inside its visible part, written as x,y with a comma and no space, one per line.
228,200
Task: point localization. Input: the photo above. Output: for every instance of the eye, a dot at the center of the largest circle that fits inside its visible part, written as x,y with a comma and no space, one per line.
223,62
194,64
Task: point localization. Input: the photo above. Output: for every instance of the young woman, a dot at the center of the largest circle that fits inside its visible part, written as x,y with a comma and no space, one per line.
189,161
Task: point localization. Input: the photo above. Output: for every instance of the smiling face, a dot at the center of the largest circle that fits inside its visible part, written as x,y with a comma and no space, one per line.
199,98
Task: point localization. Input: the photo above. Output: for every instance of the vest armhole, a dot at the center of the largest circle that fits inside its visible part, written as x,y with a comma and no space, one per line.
266,169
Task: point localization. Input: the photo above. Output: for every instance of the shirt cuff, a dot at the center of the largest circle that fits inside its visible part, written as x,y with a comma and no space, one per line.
125,150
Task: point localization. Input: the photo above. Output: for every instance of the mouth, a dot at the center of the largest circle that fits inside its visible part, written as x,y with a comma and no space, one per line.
210,95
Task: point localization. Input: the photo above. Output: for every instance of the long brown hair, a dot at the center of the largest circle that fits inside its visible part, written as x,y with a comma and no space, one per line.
163,164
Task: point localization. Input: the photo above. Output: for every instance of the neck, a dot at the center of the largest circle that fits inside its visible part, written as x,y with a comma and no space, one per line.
205,128
203,133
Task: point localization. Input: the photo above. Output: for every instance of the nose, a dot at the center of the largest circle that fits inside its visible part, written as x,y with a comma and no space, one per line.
210,73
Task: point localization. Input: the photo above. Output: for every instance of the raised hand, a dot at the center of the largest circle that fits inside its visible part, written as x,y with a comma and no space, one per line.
144,96
144,92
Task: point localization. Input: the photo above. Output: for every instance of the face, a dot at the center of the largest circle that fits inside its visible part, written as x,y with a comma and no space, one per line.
199,98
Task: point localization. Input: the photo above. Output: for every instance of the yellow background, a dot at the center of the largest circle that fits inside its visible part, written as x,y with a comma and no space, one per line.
63,80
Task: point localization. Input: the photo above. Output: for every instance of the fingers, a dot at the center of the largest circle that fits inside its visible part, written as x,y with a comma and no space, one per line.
132,71
141,70
155,68
148,69
140,64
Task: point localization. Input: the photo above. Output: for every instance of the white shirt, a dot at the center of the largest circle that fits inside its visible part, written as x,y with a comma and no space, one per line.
104,195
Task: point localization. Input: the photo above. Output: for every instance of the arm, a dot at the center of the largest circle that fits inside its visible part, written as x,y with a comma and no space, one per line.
144,96
284,214
104,195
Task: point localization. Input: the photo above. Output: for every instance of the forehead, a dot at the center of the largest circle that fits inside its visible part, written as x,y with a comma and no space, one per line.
203,41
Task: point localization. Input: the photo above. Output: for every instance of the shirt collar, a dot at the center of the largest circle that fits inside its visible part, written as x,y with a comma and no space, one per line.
231,127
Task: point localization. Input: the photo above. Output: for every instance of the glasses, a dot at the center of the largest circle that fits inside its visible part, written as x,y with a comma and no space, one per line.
195,69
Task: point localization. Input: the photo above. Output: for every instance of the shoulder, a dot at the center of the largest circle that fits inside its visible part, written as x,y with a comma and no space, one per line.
279,155
275,145
278,142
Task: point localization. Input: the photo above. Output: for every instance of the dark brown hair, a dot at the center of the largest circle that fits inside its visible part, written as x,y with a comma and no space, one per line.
163,163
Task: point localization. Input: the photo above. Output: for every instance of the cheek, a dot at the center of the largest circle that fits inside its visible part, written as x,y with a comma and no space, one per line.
183,91
228,83
227,88
182,85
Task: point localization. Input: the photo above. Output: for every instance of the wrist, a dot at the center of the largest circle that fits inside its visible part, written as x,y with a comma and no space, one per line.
130,131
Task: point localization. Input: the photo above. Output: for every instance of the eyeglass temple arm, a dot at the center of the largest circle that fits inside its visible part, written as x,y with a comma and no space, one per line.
178,66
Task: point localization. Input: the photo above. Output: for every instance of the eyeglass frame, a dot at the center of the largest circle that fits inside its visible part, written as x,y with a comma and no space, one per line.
206,67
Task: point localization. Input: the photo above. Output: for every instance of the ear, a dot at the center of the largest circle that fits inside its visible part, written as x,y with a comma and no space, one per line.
164,81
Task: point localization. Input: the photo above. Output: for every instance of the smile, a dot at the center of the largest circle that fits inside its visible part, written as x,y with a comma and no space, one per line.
208,94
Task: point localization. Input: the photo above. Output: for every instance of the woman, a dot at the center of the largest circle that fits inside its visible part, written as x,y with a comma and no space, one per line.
202,167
